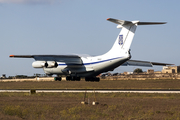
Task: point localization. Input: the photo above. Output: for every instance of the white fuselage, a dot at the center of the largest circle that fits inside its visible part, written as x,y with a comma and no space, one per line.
91,66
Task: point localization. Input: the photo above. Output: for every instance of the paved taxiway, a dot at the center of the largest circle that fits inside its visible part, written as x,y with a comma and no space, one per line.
97,91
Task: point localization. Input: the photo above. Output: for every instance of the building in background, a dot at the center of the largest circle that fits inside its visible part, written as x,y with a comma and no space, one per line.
149,71
171,69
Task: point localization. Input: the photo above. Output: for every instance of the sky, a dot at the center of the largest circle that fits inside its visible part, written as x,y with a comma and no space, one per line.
29,27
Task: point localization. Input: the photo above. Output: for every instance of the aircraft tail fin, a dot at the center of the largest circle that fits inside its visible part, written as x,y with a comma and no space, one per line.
125,37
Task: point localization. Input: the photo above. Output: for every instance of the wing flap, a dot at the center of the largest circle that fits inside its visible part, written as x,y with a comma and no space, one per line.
68,59
137,63
143,63
161,64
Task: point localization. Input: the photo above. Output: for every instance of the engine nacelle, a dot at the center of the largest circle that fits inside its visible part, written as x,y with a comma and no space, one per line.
51,64
41,64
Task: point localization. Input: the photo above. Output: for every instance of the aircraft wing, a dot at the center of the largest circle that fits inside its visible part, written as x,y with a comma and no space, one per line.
68,59
143,63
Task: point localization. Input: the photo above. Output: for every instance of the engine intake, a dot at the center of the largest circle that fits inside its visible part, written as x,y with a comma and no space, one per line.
51,64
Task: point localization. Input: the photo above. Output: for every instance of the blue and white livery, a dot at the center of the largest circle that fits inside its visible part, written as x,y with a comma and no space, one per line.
74,66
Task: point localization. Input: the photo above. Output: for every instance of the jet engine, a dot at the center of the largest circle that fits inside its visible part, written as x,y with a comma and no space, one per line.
51,64
47,64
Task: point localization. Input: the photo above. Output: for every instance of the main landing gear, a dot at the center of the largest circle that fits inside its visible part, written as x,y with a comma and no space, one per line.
75,78
92,79
57,78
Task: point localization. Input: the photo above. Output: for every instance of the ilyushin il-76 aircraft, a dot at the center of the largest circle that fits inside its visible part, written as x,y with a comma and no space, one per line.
74,67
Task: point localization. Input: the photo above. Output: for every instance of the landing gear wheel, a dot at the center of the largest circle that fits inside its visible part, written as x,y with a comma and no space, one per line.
73,78
92,79
68,78
97,79
76,78
57,78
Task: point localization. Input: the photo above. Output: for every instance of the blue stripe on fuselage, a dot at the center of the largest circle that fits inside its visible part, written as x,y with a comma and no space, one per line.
93,62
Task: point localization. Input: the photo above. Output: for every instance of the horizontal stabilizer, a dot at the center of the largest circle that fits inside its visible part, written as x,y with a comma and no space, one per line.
123,22
143,63
150,23
120,22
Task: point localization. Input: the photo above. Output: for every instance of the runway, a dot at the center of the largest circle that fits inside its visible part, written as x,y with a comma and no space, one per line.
98,91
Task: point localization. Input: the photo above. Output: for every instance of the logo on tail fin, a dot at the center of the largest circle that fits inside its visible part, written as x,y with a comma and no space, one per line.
120,40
